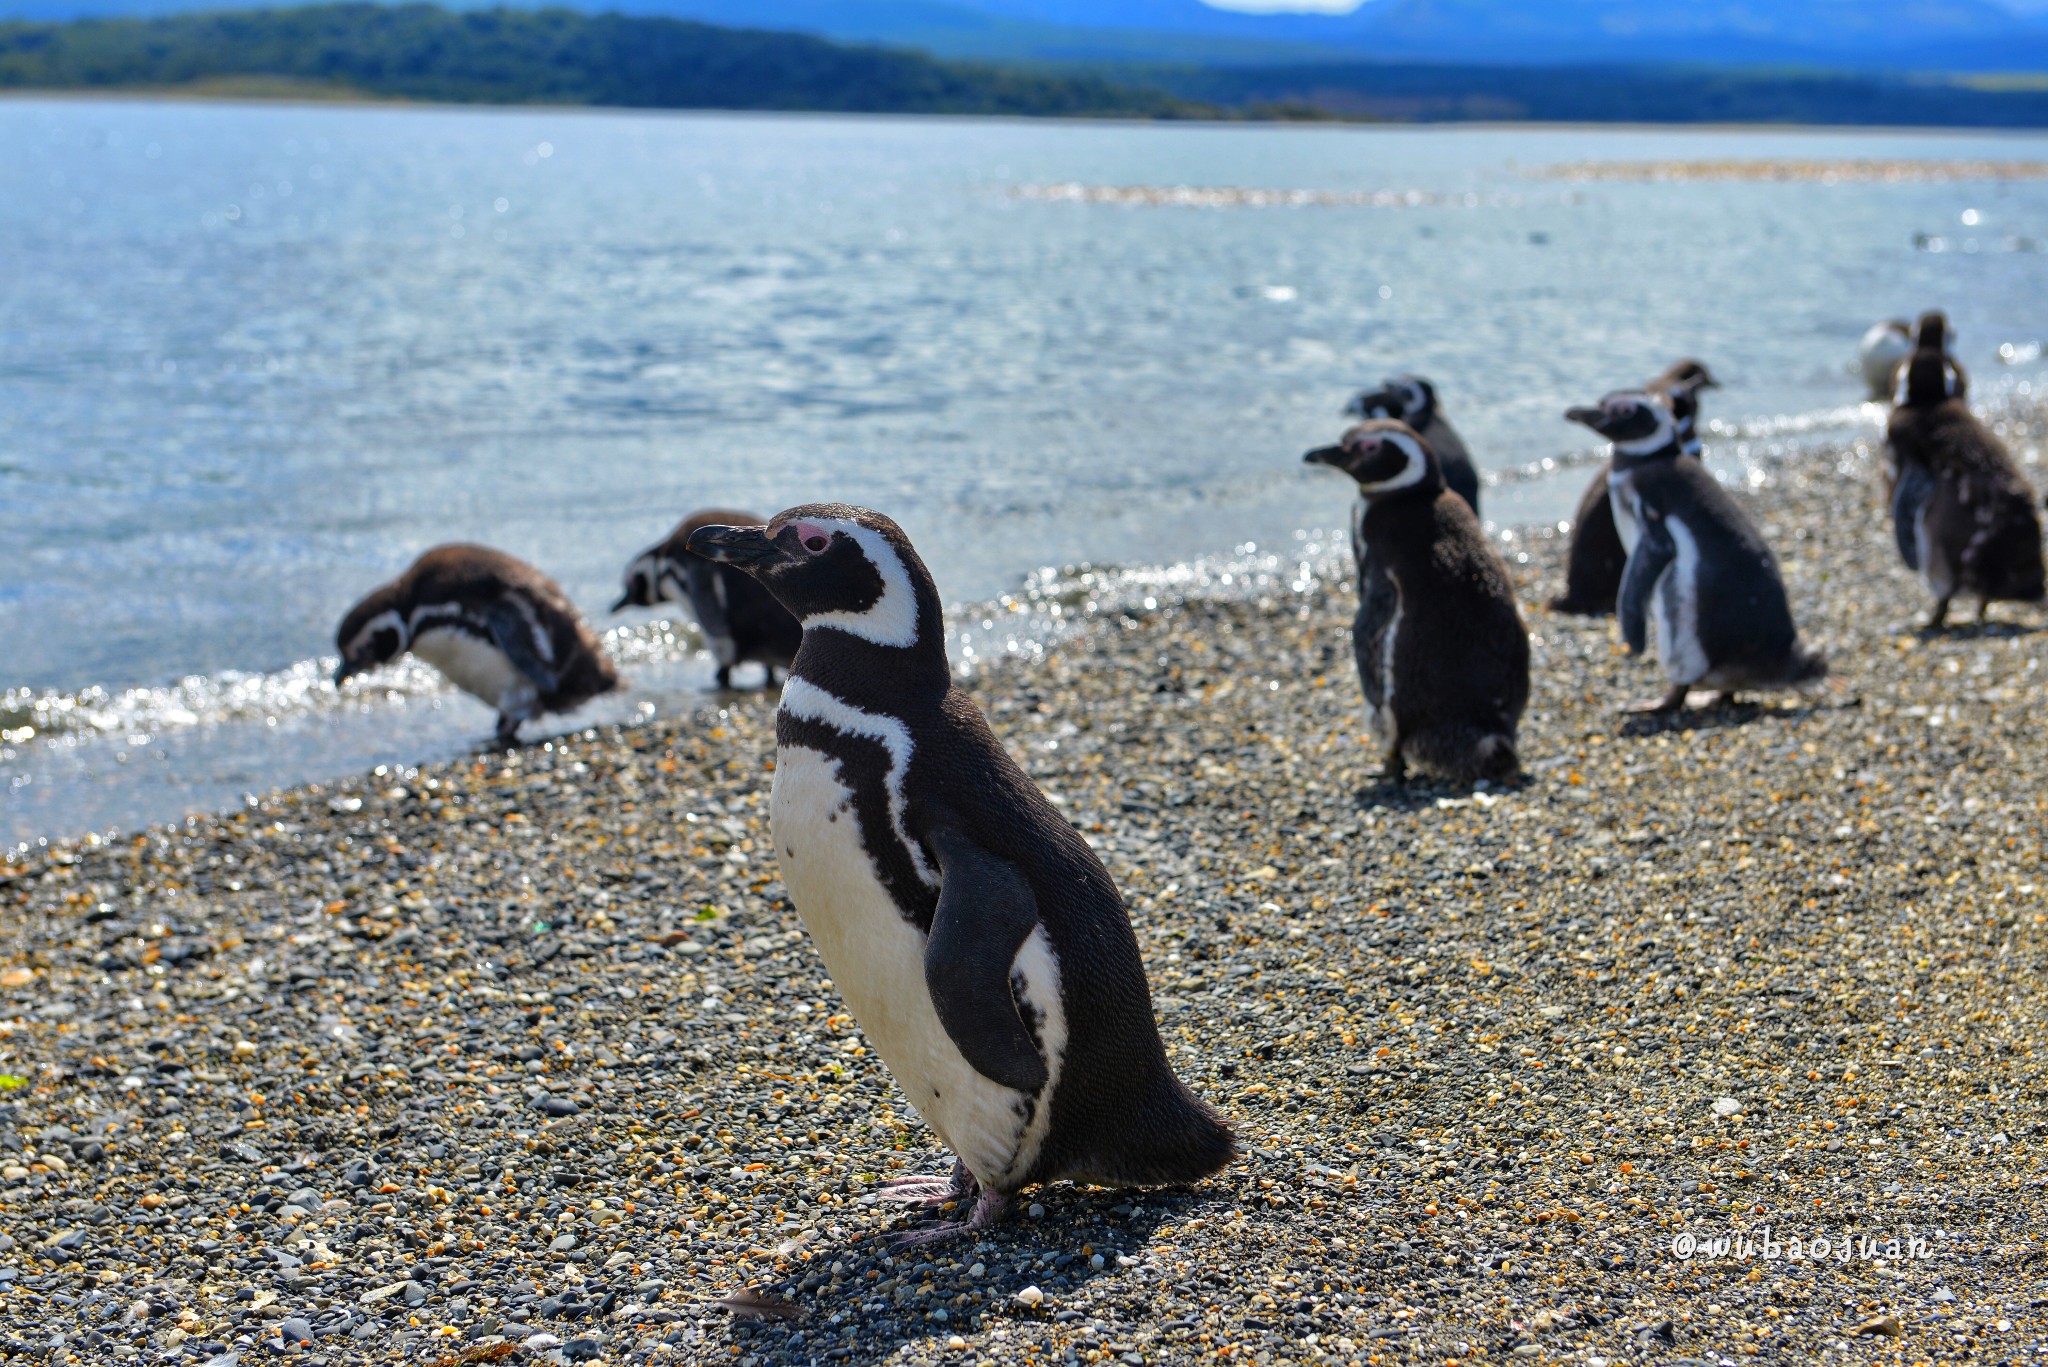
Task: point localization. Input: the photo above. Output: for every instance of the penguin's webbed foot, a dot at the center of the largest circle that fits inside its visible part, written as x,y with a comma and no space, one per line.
724,678
1673,701
987,1210
508,730
930,1189
1938,618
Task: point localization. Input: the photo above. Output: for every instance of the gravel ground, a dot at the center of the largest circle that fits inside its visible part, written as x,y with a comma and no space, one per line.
527,1056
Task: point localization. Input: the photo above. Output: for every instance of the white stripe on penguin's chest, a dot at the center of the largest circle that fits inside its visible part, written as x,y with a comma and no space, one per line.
477,667
1675,609
876,958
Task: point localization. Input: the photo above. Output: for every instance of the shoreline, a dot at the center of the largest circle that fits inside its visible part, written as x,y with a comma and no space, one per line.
529,1047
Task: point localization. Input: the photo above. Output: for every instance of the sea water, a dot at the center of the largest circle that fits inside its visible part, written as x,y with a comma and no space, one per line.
255,357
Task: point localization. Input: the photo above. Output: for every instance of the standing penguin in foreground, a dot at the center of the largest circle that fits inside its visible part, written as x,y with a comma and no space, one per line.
974,934
1697,567
1594,562
499,629
1412,400
739,619
1962,512
1442,653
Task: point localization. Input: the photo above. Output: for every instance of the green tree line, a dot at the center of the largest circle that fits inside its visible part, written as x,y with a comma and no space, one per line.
539,56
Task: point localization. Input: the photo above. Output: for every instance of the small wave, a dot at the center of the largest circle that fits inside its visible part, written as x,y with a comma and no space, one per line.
1867,172
231,696
1238,197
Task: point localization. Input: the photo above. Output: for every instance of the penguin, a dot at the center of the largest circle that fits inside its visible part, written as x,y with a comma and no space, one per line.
1412,399
498,628
739,619
1886,347
1962,513
1442,653
1697,567
1595,558
972,931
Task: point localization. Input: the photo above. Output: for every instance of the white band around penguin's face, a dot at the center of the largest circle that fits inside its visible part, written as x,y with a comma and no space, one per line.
1414,466
892,619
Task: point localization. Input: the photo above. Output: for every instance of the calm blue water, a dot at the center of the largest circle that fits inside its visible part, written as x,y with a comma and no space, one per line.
254,358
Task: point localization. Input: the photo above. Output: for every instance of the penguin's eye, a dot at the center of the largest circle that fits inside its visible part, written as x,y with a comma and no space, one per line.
814,539
815,544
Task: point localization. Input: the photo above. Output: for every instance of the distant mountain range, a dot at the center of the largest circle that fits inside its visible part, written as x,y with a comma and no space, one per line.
1897,35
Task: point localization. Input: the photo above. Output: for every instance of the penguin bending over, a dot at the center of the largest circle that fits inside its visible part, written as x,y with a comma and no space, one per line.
499,629
740,620
972,931
1698,569
1594,562
1962,513
1412,399
1442,653
1886,347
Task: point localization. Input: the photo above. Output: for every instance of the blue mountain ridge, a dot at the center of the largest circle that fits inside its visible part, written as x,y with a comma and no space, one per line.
1849,34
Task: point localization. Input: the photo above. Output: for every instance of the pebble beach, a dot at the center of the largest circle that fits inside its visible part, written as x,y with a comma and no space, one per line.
527,1057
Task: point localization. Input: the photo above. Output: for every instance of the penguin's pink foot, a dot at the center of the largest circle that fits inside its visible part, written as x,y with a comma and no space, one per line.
930,1189
987,1211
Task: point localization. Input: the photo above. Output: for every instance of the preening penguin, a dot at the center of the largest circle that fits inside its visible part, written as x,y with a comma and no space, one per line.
740,620
1594,561
1962,513
1886,347
498,628
1412,400
1697,568
972,931
1442,653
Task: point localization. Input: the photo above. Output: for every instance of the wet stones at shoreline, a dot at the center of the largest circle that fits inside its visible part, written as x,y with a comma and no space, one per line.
529,1049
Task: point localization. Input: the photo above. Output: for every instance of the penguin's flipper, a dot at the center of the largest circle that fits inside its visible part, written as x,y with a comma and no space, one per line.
1915,485
1653,555
514,632
985,913
707,600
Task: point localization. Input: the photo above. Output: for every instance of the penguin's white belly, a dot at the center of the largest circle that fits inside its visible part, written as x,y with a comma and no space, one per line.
1624,514
876,958
1674,609
478,668
1380,717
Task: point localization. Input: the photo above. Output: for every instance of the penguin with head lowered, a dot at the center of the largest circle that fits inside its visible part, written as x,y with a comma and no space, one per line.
1886,347
498,628
972,931
1595,558
1442,653
1412,400
740,620
1962,513
1698,569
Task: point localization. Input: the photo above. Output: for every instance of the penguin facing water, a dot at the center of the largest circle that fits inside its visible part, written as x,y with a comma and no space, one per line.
740,620
1594,561
1412,399
1962,513
1442,653
1698,570
498,628
972,931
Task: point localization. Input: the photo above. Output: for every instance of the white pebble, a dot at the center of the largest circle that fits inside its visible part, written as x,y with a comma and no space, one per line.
1727,1105
1031,1297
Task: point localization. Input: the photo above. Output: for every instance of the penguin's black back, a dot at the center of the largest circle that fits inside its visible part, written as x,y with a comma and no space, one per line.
475,577
1744,618
1983,511
1596,557
1459,473
1119,1115
1461,653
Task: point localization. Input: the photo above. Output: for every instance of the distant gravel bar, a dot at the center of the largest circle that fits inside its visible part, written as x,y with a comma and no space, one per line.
526,1057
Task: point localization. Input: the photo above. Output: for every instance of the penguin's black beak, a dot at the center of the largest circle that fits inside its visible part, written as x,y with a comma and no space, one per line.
1594,418
746,548
1326,455
342,673
625,601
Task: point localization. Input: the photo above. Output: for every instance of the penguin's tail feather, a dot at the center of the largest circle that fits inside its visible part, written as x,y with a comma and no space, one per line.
1808,665
1175,1138
1465,754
